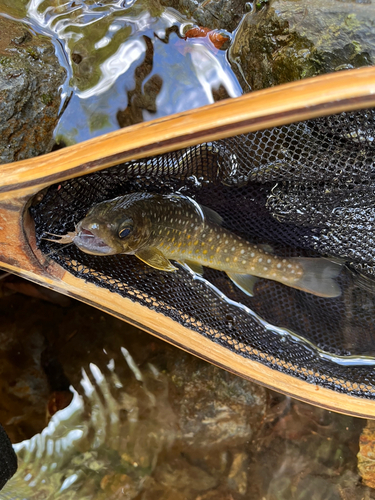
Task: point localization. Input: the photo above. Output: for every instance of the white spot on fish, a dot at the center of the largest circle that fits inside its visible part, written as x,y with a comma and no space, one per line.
251,255
278,266
260,259
265,268
233,249
203,235
244,262
225,250
289,266
226,242
243,251
227,259
269,261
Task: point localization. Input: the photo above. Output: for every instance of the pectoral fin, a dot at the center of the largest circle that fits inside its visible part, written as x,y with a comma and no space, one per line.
245,282
155,258
194,266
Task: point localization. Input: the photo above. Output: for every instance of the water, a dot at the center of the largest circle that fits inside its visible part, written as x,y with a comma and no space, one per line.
127,62
149,422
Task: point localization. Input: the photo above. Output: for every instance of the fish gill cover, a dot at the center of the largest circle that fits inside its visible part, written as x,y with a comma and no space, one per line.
307,190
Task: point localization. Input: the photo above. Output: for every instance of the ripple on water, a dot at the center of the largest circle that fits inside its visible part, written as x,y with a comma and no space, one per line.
129,63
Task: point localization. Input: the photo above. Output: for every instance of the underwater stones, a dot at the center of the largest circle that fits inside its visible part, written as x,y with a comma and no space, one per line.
227,410
30,77
284,40
366,454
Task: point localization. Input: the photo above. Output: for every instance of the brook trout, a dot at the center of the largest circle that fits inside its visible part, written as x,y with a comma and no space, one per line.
161,228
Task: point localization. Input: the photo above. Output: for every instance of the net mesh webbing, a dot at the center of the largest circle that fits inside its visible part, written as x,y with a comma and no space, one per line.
307,189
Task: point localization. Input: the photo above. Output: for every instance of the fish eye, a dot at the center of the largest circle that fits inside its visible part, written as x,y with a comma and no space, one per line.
125,231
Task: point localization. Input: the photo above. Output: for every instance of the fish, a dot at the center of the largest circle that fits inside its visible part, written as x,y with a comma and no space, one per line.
161,229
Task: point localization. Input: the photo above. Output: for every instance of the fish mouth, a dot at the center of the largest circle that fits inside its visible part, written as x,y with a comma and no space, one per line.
88,242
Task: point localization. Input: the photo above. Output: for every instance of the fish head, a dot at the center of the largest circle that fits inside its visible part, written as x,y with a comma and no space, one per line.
109,229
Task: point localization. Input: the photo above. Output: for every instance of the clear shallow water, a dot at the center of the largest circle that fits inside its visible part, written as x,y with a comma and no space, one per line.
128,62
120,436
150,422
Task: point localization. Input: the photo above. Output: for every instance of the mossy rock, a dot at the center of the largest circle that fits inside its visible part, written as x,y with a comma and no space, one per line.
30,81
286,40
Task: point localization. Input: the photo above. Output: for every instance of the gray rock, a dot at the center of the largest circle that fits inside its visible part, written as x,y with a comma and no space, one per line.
214,14
30,77
227,410
285,40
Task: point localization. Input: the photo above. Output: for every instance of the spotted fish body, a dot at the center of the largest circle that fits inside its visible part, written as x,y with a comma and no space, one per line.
161,228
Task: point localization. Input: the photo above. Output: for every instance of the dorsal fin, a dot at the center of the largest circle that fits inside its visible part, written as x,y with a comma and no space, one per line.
211,215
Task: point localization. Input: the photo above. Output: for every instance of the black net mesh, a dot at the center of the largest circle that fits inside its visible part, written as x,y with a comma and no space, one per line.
307,190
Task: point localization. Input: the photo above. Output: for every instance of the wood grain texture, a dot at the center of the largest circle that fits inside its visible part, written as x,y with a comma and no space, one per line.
297,101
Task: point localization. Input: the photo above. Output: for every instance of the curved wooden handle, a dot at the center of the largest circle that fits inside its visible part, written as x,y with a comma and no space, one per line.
297,101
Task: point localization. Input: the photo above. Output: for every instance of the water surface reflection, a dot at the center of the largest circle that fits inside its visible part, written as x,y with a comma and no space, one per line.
117,51
148,421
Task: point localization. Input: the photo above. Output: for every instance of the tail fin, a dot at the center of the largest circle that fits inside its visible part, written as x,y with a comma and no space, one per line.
318,274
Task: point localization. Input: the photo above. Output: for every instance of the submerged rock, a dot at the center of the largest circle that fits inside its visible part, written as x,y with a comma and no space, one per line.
227,410
146,420
30,78
285,40
366,454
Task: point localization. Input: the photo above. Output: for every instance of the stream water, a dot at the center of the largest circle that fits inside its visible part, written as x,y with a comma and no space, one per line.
134,420
127,62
